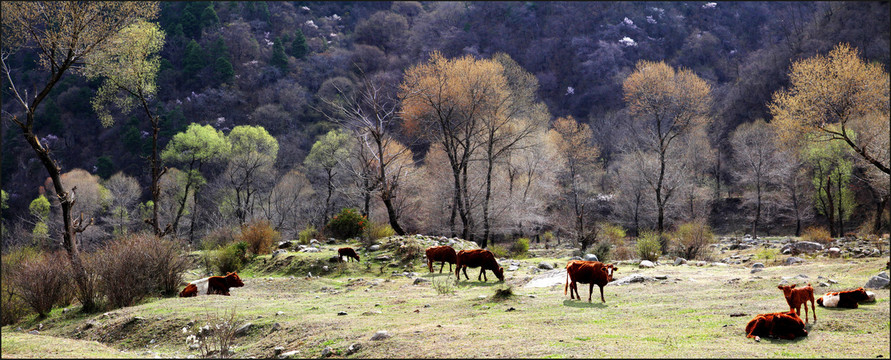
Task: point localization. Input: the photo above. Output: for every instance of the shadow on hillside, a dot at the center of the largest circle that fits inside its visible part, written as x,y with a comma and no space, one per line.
584,304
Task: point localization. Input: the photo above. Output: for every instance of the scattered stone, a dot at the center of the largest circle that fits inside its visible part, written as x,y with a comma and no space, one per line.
374,247
341,313
243,329
285,244
484,307
679,261
757,265
289,354
278,350
382,258
792,260
420,280
701,263
545,266
310,249
88,325
279,313
591,257
510,309
833,281
532,296
481,297
756,270
822,284
634,278
34,332
575,258
879,281
802,247
834,252
646,264
738,314
278,252
276,327
380,335
719,264
327,351
660,277
353,348
513,268
803,276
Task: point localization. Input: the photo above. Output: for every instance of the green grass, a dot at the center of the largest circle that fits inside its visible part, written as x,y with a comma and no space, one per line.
687,318
22,345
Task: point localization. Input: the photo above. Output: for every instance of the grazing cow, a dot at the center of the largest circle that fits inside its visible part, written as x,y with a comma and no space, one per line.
844,299
587,272
445,254
348,252
214,285
481,258
797,297
783,325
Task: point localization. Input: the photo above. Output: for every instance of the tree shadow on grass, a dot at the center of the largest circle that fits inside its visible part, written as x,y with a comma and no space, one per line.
584,304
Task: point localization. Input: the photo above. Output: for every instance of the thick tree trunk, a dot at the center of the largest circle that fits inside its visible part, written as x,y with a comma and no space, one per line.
391,214
877,221
757,210
486,202
830,207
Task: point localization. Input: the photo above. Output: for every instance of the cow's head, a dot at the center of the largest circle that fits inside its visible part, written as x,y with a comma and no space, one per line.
860,294
609,269
233,280
500,273
787,289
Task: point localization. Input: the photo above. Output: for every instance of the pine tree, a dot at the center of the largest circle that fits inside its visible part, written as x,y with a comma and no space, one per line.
299,49
193,61
209,17
224,71
279,59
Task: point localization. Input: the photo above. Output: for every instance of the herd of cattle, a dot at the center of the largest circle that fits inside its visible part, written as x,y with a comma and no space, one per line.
784,325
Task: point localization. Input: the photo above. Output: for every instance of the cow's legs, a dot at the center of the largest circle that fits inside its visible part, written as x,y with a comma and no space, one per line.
430,265
601,294
482,274
590,291
441,266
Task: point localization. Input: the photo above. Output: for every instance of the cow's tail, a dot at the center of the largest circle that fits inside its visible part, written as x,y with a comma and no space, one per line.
566,285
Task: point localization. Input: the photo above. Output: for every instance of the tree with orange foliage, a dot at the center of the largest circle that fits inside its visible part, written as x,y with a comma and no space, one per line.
573,142
666,104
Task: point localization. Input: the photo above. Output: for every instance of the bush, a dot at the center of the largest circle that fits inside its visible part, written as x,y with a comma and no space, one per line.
217,335
817,234
623,251
648,247
13,306
548,236
499,250
347,224
443,285
307,234
169,262
520,248
409,250
602,250
218,237
230,258
259,235
42,281
126,269
378,231
692,237
612,233
503,292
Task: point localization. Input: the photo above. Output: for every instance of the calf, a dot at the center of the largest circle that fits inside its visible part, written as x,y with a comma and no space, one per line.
445,254
844,299
214,285
481,258
783,325
797,297
587,272
348,252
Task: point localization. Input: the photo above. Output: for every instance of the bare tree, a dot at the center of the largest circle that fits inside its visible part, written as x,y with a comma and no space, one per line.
758,164
124,191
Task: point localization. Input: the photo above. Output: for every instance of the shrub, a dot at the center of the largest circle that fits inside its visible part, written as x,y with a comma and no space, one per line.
443,285
13,306
409,250
230,258
42,281
378,231
167,258
817,234
217,335
623,251
602,250
520,248
499,250
503,292
307,234
692,237
126,270
767,254
259,235
648,247
612,233
218,237
548,236
347,224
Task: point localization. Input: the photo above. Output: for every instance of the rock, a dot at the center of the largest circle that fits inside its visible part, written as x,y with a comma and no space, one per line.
152,341
834,252
420,280
327,351
879,281
278,252
757,266
513,268
276,327
701,263
243,329
341,313
374,247
575,258
279,313
310,250
802,247
635,278
719,264
88,325
660,277
382,258
353,348
679,261
481,297
285,244
545,266
325,268
278,350
870,297
380,335
832,281
822,284
289,354
646,264
34,332
591,257
511,309
792,260
803,276
756,270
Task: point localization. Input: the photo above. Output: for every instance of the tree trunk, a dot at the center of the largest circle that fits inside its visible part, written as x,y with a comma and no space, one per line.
486,200
391,214
757,209
841,216
877,221
830,208
328,198
194,216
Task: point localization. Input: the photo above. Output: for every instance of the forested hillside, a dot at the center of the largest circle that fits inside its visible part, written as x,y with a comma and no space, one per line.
290,111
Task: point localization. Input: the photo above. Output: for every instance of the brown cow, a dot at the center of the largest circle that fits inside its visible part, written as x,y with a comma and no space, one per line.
481,258
844,299
783,325
797,297
348,252
587,272
445,254
214,285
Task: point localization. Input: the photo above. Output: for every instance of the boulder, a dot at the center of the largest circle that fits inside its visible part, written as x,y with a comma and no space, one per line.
757,266
353,348
545,266
591,257
420,280
679,261
879,281
374,247
802,247
646,264
382,258
327,351
834,252
278,252
289,354
284,244
792,260
635,278
756,270
243,329
380,335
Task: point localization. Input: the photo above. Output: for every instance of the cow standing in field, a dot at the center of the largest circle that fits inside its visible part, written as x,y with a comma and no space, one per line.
844,299
214,285
783,325
481,258
445,254
587,272
797,297
348,252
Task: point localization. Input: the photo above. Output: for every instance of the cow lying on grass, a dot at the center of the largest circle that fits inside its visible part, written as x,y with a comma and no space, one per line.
783,325
844,299
445,254
214,285
587,272
481,258
797,297
348,252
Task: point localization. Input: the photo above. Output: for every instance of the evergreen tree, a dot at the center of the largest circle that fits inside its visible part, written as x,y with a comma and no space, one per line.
193,60
104,167
279,59
224,71
209,17
191,27
218,49
299,49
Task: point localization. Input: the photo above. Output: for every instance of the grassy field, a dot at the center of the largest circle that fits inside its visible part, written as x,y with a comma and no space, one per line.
686,315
